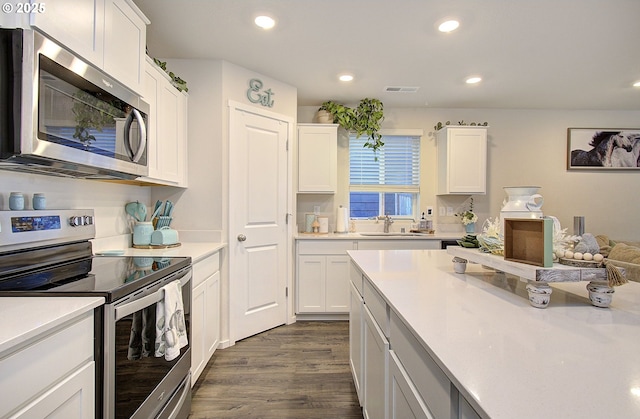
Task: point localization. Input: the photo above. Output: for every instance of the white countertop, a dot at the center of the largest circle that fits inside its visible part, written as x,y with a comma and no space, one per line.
24,318
509,359
381,236
196,250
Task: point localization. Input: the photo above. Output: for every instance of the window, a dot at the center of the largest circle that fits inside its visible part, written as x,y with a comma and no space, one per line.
389,184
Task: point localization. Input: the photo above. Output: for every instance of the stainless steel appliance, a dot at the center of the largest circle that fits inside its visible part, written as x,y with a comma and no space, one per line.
48,253
61,116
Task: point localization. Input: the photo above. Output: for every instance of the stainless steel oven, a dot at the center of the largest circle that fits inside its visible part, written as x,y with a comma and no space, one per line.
62,116
47,253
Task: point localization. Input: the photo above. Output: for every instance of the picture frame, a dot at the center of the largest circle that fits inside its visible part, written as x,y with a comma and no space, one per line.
603,148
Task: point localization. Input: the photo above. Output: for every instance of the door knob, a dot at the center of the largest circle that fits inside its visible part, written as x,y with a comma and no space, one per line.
242,237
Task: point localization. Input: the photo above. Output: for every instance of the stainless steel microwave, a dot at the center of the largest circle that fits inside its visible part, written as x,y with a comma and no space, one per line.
61,116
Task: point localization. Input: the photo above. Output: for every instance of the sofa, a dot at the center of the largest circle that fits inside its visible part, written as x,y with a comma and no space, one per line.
623,254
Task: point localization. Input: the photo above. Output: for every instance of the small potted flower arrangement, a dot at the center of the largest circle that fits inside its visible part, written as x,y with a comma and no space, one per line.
468,218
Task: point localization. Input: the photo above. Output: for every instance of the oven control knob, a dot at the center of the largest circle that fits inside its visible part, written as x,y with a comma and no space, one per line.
88,220
76,221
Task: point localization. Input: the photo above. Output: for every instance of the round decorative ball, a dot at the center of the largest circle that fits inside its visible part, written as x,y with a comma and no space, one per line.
587,256
568,254
577,256
598,257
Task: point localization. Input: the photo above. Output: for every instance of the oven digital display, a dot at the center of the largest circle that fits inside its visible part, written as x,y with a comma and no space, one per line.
24,224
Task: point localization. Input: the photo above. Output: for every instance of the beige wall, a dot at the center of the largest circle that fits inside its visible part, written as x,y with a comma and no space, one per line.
526,147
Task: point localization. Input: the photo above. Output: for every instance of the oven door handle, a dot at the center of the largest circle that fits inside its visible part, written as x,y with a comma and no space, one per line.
148,300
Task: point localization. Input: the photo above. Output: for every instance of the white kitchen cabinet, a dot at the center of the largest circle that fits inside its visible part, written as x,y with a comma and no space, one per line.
76,24
462,160
323,284
205,313
322,276
431,383
166,128
391,244
404,400
125,43
53,375
356,333
376,361
317,158
110,34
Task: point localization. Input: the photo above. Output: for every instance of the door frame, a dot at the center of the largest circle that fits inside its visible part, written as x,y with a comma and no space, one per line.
232,106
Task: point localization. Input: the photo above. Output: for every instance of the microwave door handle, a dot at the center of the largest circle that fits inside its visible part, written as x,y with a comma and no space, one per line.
135,157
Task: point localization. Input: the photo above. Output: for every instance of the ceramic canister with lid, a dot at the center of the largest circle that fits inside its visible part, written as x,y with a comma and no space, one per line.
16,201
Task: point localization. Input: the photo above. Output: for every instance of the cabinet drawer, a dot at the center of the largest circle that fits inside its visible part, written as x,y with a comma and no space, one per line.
391,244
206,267
377,306
324,247
432,384
30,371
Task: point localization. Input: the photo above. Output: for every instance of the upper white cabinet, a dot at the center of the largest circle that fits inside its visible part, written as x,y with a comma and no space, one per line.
110,34
317,158
166,128
462,160
125,42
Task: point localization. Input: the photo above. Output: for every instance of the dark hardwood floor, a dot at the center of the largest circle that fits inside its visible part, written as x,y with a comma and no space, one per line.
298,371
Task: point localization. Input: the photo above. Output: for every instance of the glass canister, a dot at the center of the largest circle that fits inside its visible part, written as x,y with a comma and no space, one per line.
142,233
39,201
16,201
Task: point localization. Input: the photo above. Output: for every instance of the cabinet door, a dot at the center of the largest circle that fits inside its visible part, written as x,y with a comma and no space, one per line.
404,400
376,353
212,314
337,284
76,24
311,284
317,158
462,160
125,39
356,329
198,322
72,398
167,128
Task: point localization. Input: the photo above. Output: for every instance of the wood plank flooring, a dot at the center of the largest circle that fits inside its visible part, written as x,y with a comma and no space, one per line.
295,371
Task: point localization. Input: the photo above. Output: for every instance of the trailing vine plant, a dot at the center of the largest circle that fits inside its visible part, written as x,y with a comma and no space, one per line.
365,119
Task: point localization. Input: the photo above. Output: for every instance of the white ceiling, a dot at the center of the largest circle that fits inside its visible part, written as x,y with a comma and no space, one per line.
551,54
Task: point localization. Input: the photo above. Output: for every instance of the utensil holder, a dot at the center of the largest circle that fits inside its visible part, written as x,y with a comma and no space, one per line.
142,233
162,221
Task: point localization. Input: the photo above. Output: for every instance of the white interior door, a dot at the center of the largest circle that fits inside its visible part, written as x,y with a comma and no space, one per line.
258,191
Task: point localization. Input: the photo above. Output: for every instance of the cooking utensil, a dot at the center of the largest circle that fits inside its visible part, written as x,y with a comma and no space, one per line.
133,209
156,211
168,208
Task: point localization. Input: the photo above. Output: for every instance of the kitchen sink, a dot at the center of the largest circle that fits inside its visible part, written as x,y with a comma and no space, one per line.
373,233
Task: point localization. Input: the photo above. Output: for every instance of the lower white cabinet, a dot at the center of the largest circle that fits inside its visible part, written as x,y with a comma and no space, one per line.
404,399
205,313
323,284
356,333
376,361
53,376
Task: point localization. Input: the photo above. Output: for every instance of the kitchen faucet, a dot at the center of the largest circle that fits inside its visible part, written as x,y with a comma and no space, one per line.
387,221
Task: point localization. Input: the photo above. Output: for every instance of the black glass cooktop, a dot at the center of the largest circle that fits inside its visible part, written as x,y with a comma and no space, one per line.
109,276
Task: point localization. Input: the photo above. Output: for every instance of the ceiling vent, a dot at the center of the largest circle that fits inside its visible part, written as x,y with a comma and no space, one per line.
401,89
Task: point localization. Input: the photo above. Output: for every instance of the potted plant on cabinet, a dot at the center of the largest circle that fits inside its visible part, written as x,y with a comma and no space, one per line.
365,119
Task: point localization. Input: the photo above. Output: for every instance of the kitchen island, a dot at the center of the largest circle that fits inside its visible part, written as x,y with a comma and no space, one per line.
500,355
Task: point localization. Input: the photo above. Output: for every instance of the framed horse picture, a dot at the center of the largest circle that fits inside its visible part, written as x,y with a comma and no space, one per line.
603,148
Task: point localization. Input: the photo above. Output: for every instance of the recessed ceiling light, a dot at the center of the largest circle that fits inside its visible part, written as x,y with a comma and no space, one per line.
345,77
448,26
265,22
636,84
473,80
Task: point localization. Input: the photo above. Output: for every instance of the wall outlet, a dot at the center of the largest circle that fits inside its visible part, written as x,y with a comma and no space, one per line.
429,211
450,211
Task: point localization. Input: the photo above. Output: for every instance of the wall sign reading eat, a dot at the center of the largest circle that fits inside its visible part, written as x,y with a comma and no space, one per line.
256,95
